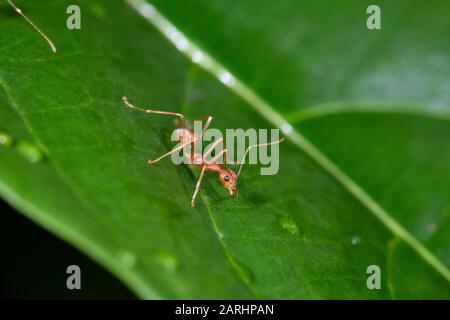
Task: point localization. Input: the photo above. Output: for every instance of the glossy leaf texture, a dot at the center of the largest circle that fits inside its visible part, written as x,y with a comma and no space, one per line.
303,233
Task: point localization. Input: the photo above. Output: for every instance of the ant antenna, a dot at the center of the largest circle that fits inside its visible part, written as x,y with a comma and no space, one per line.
254,146
19,11
128,104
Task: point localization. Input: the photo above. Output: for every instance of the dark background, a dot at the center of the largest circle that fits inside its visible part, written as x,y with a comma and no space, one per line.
33,264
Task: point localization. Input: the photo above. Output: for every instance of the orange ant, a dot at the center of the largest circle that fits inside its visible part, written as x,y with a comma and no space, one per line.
35,27
199,161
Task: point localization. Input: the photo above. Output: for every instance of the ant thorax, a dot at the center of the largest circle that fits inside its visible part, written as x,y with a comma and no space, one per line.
184,135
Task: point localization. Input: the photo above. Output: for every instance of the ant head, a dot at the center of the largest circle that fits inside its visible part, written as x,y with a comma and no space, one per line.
229,180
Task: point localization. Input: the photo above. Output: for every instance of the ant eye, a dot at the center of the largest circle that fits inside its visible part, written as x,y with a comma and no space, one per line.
226,178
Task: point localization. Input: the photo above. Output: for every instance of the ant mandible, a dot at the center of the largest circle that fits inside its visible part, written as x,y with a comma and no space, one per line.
187,136
31,23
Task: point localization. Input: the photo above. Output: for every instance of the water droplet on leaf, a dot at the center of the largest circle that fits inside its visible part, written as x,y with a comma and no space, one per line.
127,259
286,128
167,261
6,139
147,10
30,151
197,56
227,78
356,240
289,225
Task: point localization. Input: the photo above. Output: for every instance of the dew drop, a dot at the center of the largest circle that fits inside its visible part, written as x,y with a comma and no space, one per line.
286,128
177,38
356,240
227,78
197,56
30,151
181,43
147,10
6,139
127,259
167,261
289,225
170,32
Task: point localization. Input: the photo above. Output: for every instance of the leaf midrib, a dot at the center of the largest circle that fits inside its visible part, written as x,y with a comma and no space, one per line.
239,88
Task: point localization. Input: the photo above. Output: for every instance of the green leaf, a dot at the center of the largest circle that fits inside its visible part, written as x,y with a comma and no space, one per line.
377,193
297,54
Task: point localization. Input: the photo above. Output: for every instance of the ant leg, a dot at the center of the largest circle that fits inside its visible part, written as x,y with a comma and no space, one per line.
224,152
220,154
181,146
209,118
208,122
224,148
197,186
208,152
128,104
31,23
257,145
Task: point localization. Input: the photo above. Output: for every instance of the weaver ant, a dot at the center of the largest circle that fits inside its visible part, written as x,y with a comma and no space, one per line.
199,161
31,23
